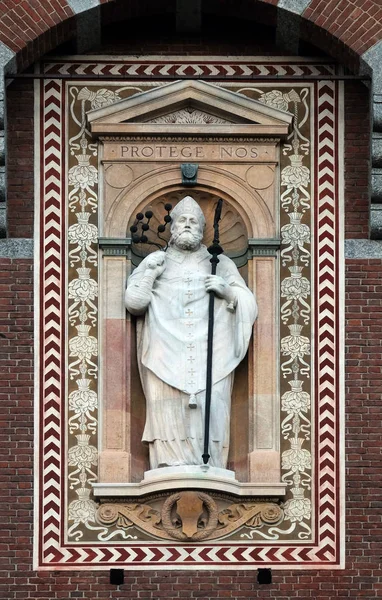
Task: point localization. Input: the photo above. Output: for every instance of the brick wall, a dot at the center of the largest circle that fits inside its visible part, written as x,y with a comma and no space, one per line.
20,169
355,23
363,421
16,423
362,576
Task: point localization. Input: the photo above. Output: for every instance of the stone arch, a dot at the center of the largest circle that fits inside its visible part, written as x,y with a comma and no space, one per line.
350,34
257,218
27,35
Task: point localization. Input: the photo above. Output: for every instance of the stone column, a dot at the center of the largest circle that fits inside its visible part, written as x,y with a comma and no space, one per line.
264,409
115,401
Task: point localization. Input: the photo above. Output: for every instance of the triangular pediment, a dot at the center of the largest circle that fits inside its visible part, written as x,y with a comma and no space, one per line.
197,107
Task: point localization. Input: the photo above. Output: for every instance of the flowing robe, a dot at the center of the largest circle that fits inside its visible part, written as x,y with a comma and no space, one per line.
172,352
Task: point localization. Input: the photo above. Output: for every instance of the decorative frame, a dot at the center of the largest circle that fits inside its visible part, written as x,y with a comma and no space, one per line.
57,346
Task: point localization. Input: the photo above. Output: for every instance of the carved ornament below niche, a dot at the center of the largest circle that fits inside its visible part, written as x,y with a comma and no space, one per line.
189,516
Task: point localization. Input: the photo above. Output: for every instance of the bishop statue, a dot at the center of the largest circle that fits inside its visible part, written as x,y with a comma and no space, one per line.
171,291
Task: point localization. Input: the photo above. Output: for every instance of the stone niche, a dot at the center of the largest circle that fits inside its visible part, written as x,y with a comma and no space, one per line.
235,141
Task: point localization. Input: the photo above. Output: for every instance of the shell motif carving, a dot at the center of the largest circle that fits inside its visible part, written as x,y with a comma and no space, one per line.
190,116
233,233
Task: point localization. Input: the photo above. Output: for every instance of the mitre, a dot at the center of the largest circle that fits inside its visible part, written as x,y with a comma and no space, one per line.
190,207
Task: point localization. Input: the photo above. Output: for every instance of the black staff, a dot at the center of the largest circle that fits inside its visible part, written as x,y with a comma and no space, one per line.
215,249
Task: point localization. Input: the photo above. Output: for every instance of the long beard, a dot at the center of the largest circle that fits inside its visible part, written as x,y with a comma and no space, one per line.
186,240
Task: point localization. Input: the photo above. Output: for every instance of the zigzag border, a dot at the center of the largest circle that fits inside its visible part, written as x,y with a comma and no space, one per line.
192,69
327,318
53,553
52,271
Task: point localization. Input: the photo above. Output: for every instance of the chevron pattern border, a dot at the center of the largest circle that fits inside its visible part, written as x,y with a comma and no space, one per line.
53,552
193,69
52,325
327,319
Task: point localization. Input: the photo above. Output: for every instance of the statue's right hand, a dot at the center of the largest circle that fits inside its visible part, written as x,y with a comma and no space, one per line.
156,263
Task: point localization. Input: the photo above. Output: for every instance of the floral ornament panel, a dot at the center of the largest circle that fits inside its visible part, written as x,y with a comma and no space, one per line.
295,292
295,308
83,343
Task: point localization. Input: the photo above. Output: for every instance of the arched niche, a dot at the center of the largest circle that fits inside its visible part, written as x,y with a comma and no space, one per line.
254,454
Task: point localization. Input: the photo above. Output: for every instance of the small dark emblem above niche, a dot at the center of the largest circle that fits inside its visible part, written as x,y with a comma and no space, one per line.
189,173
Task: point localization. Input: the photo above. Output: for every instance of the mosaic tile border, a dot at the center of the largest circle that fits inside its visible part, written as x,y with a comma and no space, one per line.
52,551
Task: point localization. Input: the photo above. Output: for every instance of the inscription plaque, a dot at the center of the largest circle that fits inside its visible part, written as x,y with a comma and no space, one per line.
199,152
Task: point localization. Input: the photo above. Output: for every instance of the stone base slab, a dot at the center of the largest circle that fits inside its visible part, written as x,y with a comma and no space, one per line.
193,478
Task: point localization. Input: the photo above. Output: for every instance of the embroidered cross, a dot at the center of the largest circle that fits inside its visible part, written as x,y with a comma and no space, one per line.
192,372
189,312
188,280
191,359
190,347
189,324
189,294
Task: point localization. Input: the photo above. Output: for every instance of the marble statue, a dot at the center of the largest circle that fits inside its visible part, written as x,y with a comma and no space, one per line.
171,290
